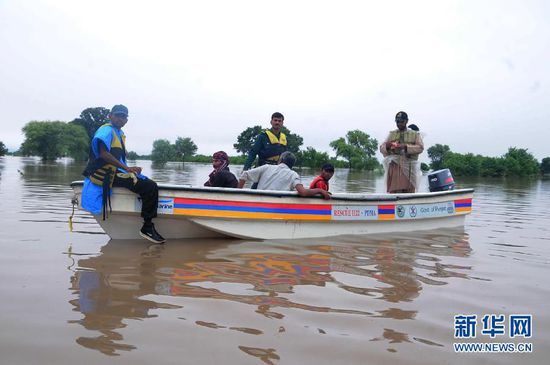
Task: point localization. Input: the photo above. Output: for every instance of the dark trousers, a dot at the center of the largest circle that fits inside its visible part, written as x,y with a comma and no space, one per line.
147,190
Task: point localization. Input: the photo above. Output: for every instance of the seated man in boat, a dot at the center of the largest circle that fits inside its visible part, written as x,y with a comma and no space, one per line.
107,168
221,176
321,181
280,177
400,150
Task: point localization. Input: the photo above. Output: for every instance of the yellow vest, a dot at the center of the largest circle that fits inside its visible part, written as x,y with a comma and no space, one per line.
117,149
405,137
274,140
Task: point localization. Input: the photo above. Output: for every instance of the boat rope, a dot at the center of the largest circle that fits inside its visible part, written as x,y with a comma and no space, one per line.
74,202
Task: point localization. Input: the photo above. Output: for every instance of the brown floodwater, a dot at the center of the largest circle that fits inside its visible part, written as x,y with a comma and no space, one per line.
78,297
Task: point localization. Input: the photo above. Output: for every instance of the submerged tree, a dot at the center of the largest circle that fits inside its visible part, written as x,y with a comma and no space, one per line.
294,141
516,162
132,156
53,139
3,149
358,148
92,118
463,164
437,154
163,151
185,148
519,162
246,139
545,166
310,157
77,142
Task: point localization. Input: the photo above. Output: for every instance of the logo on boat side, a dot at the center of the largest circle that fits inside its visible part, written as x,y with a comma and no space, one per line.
166,206
412,211
450,208
400,211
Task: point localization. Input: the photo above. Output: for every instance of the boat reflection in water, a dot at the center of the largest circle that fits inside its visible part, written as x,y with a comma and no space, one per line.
121,283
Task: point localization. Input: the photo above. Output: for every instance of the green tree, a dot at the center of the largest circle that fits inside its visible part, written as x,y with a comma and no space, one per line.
437,154
312,158
545,166
463,165
358,148
3,149
163,151
492,167
91,119
53,139
77,142
247,138
424,167
293,141
516,162
185,148
132,156
519,162
343,149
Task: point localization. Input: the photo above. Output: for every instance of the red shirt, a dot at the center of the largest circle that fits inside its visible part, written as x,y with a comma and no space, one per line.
320,183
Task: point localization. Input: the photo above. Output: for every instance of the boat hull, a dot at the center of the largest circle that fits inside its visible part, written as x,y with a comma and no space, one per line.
189,212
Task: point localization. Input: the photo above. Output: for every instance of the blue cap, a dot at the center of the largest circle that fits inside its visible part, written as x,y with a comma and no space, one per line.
119,109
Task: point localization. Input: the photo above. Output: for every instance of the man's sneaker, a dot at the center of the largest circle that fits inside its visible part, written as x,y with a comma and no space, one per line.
149,232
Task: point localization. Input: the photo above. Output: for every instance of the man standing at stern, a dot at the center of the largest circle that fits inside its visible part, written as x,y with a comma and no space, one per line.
269,144
400,151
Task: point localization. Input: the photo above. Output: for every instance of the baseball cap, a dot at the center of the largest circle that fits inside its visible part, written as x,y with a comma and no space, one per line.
401,117
119,109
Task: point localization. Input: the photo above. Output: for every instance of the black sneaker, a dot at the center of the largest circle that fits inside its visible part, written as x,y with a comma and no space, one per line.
149,232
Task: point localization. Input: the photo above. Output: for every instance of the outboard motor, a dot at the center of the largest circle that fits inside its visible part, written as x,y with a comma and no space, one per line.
441,180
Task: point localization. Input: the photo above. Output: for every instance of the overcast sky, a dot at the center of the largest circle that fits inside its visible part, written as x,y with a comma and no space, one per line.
472,74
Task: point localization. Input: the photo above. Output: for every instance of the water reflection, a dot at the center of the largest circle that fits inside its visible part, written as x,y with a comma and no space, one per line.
45,196
266,277
1,167
59,172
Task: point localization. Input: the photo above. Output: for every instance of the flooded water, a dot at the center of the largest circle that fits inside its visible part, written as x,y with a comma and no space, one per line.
76,297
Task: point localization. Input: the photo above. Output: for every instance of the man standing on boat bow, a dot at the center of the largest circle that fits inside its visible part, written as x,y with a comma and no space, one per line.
400,151
107,168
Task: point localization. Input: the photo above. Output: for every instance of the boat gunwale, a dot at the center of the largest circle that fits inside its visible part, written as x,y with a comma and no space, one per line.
335,196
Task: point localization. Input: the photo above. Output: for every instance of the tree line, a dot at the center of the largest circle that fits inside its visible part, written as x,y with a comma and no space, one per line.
517,162
355,150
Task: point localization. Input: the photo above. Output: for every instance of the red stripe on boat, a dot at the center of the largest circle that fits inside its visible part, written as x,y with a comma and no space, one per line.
251,204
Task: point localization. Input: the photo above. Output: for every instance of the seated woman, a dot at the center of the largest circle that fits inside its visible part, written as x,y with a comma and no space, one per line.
221,176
